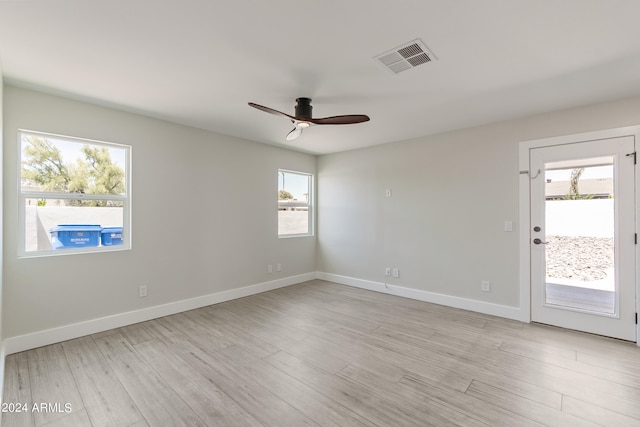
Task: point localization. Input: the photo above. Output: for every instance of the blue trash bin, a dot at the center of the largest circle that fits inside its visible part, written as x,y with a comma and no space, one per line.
66,236
111,236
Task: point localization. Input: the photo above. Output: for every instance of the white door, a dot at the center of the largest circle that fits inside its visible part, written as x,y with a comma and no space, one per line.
582,236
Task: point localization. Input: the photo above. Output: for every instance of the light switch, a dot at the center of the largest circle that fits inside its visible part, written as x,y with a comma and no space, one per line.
508,226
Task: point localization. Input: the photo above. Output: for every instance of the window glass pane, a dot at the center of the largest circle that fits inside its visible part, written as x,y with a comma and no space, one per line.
59,165
294,195
73,195
63,224
580,224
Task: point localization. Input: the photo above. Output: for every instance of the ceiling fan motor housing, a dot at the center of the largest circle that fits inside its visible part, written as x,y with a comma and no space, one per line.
303,107
303,118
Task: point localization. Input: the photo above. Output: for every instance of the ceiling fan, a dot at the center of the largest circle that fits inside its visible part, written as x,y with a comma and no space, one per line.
303,119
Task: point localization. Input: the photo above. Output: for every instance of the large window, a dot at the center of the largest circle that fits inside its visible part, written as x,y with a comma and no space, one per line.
74,195
295,213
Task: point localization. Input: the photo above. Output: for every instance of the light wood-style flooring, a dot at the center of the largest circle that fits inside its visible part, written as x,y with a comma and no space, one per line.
319,353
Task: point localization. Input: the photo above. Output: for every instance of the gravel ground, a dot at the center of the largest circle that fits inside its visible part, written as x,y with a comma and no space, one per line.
579,258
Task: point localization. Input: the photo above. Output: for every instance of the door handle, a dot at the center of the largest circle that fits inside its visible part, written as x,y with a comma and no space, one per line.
539,242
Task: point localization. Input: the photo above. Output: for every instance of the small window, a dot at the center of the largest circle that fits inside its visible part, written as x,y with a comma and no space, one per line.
74,195
295,213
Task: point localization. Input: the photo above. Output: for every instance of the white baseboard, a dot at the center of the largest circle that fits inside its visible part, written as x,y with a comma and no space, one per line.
76,330
451,301
63,333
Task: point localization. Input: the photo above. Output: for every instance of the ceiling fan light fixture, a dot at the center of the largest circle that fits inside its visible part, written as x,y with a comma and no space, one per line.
295,133
303,118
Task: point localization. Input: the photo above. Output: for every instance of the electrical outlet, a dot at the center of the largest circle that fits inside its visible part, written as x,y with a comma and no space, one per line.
396,272
269,268
278,267
485,286
387,271
142,291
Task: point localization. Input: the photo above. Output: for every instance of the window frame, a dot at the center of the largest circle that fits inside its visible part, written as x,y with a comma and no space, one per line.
310,204
24,195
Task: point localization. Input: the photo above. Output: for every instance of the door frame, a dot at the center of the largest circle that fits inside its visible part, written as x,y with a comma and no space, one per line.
525,207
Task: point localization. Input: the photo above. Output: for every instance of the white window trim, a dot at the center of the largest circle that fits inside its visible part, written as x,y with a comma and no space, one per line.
24,195
310,203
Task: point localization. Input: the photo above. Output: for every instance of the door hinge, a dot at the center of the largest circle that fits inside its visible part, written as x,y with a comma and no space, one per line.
636,318
634,157
635,239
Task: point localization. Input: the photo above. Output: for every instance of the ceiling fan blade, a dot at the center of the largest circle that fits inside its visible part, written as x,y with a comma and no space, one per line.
303,119
340,120
271,110
295,133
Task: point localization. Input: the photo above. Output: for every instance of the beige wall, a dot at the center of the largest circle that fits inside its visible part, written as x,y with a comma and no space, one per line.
451,193
442,227
204,218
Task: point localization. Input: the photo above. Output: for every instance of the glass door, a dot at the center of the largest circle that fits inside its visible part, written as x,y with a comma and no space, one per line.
583,236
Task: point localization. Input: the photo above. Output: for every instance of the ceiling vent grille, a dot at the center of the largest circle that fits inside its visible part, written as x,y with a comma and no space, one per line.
405,57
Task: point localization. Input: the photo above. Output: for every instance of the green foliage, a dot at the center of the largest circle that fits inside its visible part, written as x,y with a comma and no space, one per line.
578,197
44,167
98,173
574,193
284,195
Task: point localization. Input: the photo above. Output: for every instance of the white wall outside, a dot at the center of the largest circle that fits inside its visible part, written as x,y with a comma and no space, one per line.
39,220
593,218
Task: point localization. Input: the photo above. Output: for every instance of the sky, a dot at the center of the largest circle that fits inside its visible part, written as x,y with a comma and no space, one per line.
295,183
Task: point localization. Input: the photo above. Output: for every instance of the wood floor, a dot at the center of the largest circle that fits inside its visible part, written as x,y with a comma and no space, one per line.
325,354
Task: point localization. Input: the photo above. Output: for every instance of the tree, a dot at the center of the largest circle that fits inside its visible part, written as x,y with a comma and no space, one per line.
103,176
44,166
284,195
575,177
574,193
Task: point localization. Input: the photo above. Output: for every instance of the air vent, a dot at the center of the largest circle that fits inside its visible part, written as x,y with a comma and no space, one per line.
405,57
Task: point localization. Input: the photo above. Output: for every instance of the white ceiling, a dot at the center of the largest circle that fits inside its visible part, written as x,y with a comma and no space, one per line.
198,62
